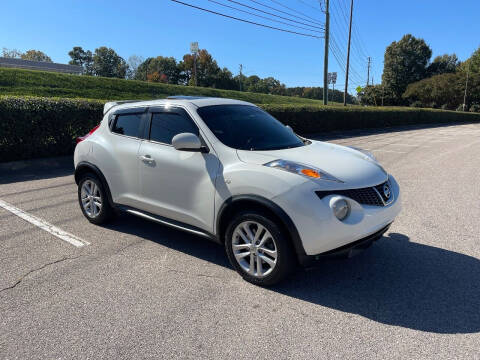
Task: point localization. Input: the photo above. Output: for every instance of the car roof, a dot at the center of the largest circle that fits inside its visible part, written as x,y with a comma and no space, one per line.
198,101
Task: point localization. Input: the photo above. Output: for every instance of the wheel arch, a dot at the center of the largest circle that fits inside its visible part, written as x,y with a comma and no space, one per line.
237,203
86,167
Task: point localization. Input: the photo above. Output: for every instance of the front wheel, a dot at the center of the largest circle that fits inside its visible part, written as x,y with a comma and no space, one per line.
258,249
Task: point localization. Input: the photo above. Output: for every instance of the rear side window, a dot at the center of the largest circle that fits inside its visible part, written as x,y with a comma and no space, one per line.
127,124
165,126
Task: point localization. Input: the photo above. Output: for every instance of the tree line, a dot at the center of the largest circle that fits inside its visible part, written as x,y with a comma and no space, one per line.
411,78
106,62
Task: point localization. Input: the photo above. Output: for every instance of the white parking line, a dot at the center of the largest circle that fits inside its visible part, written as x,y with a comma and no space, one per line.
42,224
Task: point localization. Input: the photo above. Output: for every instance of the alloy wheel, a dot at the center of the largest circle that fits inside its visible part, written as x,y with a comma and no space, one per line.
91,198
254,248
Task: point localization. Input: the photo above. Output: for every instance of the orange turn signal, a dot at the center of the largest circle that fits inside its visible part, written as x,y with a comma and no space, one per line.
310,172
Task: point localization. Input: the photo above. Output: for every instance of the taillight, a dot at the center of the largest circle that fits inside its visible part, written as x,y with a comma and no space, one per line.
81,138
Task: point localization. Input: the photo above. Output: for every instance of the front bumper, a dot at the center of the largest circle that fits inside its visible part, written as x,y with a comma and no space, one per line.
321,232
345,251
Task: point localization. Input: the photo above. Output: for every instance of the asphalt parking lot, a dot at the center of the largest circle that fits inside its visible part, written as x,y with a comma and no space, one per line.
135,289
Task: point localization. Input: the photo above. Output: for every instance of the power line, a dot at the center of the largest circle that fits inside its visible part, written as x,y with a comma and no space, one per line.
353,72
269,13
263,17
354,30
310,6
341,10
247,21
357,59
321,7
283,12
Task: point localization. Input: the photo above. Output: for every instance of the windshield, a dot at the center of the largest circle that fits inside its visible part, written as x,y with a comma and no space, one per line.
246,127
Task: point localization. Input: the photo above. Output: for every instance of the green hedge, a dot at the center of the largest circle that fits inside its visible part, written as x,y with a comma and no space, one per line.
42,127
316,119
39,127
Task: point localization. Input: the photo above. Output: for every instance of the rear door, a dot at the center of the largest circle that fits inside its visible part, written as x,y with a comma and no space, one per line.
126,133
178,185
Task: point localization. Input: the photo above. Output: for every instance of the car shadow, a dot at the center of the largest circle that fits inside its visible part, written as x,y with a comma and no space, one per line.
400,283
395,282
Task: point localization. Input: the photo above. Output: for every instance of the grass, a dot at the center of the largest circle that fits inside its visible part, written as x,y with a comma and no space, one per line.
48,84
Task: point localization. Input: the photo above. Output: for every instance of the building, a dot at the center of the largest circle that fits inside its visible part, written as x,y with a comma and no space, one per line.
40,65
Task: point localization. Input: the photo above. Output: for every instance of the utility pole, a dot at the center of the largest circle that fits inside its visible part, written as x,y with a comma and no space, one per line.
383,93
195,68
325,61
348,55
240,78
194,51
368,71
466,87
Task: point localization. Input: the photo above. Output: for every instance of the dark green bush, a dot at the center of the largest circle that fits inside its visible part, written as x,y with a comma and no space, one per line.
310,120
40,127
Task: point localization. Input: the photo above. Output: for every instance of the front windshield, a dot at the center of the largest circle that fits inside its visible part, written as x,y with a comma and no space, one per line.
246,127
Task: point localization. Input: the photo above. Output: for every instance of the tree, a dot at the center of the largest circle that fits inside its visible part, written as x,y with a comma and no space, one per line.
472,64
443,65
134,62
225,80
82,58
445,90
376,95
11,53
207,69
405,62
35,55
159,69
106,62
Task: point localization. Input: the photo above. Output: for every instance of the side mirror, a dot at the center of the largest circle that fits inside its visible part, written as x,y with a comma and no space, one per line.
188,142
289,128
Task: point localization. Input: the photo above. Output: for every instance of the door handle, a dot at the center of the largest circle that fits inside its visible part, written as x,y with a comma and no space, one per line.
146,158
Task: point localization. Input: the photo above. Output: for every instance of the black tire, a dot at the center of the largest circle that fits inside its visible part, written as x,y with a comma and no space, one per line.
106,212
285,262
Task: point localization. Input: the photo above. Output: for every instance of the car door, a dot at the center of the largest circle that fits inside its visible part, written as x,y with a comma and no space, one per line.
122,168
178,185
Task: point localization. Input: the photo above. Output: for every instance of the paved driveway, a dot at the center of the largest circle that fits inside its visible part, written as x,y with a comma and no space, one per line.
135,289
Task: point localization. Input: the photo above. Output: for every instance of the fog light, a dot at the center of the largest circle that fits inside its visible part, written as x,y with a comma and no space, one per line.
341,209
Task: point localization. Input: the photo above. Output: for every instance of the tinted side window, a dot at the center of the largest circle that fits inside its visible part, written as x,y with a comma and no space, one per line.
166,125
128,124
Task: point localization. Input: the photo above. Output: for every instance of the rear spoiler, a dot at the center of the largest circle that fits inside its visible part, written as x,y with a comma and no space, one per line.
112,104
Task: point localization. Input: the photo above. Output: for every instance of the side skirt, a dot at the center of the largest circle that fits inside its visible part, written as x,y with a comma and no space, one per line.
169,222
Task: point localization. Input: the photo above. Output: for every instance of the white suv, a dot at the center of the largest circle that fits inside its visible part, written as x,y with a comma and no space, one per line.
227,170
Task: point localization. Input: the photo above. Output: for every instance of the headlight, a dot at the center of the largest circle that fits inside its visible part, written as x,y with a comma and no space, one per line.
303,170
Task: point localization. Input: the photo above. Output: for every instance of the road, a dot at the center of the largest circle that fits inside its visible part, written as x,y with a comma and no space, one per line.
141,290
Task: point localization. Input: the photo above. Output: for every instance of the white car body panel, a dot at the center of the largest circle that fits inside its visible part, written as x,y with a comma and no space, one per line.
191,187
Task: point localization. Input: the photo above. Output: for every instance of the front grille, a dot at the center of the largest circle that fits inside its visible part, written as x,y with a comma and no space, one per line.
366,196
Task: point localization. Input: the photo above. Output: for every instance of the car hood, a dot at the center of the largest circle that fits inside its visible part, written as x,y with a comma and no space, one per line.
352,167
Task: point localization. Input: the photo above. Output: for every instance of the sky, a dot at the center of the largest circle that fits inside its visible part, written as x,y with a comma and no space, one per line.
162,27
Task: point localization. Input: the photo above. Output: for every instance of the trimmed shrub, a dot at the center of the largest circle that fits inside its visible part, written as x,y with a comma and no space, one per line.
41,127
311,120
33,127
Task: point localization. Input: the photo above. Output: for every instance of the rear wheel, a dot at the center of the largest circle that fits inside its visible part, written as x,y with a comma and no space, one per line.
93,200
258,248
